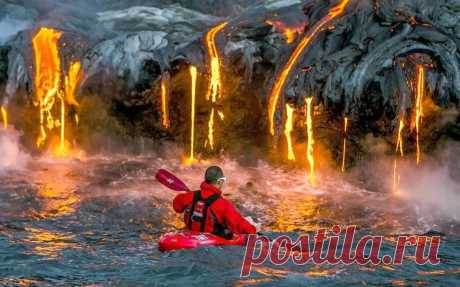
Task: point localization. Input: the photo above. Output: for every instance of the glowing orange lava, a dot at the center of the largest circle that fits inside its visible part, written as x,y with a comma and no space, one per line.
419,106
344,150
290,33
282,77
215,82
400,148
310,141
47,76
288,130
164,103
193,75
4,117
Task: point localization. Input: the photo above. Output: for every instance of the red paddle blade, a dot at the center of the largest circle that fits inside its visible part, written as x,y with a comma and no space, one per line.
170,180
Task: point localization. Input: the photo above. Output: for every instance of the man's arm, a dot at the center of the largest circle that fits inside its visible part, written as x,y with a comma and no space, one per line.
237,223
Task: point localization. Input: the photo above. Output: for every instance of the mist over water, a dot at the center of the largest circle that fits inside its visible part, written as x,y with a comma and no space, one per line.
11,154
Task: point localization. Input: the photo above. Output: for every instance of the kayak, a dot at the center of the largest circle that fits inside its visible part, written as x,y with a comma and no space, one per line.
191,239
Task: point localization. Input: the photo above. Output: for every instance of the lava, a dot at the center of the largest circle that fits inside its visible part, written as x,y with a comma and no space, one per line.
419,107
47,76
285,71
310,141
164,102
193,75
71,82
4,117
400,148
344,150
215,82
210,141
290,33
288,131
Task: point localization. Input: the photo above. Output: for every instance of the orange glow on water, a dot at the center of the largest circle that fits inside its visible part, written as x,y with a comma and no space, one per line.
419,106
4,117
164,103
281,79
47,77
193,75
288,131
310,141
344,149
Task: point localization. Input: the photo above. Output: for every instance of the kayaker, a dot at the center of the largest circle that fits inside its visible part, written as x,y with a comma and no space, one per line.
206,210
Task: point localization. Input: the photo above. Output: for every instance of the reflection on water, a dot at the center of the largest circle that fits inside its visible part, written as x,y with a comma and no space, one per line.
48,243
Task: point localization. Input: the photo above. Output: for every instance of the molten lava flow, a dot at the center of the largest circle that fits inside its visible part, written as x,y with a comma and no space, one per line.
310,141
419,107
71,82
47,76
164,103
344,151
4,117
400,148
282,77
211,130
288,131
215,82
193,75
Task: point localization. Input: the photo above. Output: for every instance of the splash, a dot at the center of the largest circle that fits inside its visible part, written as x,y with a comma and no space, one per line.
344,149
164,102
399,148
286,70
288,131
310,141
4,117
193,75
419,107
47,77
215,83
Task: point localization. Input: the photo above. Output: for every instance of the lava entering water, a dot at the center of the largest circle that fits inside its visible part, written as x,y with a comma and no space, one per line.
215,82
310,141
288,131
4,117
419,107
164,102
193,75
344,150
282,77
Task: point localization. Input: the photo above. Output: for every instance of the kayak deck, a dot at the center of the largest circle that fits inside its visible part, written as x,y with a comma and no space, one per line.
191,239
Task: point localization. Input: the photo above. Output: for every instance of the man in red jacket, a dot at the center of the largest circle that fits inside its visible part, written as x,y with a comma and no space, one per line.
206,210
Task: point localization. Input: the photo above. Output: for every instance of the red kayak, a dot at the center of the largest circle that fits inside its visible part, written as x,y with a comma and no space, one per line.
192,239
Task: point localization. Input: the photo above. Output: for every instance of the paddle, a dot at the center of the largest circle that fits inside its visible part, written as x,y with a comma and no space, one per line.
170,180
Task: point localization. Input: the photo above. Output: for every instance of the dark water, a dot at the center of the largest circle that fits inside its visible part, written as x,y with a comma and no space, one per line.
96,222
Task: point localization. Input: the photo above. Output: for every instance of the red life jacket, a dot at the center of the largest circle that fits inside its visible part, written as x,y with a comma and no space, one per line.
200,217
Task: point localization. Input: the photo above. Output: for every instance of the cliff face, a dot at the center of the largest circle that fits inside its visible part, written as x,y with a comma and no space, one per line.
361,64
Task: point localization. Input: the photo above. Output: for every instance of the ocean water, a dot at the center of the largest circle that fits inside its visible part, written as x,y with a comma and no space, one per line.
96,222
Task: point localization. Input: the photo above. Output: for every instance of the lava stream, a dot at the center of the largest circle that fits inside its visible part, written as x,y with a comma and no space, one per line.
4,117
344,150
282,77
288,131
193,75
164,103
310,141
400,148
419,107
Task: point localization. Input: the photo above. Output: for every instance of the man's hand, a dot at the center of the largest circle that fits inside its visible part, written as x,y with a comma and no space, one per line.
255,224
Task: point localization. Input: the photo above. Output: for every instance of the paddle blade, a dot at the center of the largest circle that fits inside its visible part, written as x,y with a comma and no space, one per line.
170,180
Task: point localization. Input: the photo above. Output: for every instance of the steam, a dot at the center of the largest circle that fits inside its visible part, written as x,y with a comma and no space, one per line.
11,154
